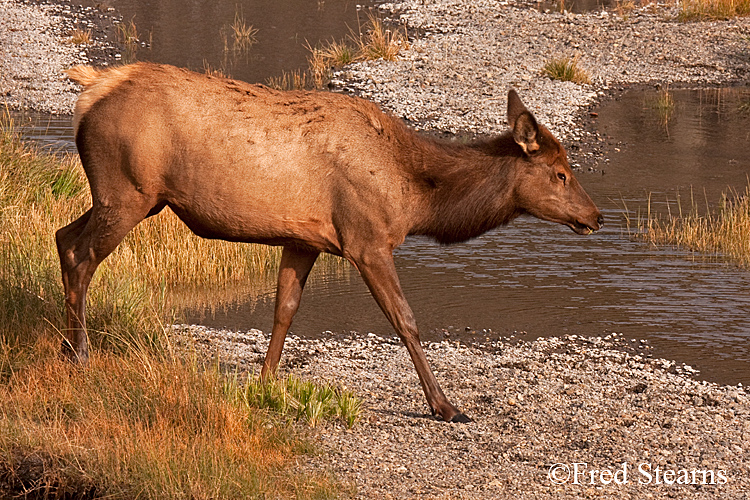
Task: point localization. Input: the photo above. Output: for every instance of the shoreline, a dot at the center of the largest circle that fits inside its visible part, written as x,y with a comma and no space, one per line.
455,77
36,48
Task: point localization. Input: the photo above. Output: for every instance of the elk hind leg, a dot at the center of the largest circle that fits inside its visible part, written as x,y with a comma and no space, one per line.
82,245
294,269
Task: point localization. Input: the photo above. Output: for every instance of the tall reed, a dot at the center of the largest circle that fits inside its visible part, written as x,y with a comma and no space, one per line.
699,10
724,232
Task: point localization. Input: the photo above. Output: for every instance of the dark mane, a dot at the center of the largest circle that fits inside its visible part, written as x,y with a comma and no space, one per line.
469,186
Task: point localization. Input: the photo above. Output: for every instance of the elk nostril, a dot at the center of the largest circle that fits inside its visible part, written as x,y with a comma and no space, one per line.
600,220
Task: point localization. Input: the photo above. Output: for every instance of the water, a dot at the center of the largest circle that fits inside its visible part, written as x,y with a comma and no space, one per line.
532,278
575,6
199,33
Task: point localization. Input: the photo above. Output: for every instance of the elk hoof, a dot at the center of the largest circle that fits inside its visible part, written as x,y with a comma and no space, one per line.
76,357
460,418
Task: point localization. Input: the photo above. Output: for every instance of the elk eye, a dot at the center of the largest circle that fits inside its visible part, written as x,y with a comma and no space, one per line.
562,177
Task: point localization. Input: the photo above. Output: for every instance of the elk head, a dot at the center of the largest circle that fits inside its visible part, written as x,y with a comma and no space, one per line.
546,187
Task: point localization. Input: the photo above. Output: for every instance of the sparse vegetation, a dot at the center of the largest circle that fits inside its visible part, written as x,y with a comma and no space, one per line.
243,34
725,232
215,72
566,69
289,80
378,42
664,105
80,37
374,42
700,10
624,8
140,421
127,35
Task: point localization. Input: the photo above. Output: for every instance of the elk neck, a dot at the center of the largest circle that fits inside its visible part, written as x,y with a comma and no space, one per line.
467,189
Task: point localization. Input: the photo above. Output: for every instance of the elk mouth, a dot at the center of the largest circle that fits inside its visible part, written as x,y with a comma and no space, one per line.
583,228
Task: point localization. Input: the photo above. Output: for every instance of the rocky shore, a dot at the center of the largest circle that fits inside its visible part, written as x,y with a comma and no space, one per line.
539,408
37,46
467,54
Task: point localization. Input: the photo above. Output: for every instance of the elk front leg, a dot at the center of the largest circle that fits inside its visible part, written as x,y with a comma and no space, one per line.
294,269
379,273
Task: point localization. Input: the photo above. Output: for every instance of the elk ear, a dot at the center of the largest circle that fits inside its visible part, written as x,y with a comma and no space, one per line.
523,123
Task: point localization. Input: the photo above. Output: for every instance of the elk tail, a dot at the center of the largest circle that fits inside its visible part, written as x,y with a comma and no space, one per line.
85,75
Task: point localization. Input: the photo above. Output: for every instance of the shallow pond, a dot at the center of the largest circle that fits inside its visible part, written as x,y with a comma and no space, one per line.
196,34
531,278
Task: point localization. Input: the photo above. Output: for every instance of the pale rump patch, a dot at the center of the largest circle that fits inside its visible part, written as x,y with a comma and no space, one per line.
97,83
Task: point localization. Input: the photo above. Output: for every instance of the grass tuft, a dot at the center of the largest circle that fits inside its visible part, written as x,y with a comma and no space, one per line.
379,42
664,105
725,232
374,42
304,401
127,36
702,10
566,69
244,34
289,80
80,37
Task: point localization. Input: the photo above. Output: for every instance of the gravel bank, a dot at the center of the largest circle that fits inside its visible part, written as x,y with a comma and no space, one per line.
36,47
456,75
599,402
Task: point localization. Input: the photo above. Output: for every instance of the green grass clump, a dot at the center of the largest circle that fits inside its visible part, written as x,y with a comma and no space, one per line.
566,69
701,10
724,232
302,400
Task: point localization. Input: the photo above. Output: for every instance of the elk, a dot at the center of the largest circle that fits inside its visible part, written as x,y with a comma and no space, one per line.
310,171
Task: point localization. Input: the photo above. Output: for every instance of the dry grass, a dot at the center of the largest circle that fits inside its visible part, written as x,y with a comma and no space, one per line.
140,426
725,232
140,422
80,37
624,8
243,34
379,42
215,72
664,105
374,41
566,69
331,54
289,80
127,36
700,10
